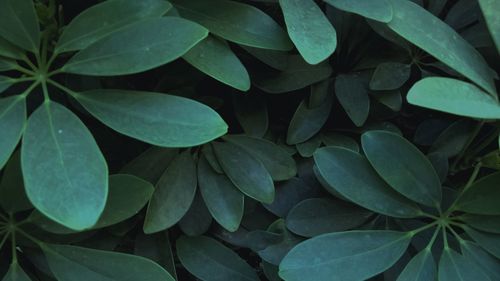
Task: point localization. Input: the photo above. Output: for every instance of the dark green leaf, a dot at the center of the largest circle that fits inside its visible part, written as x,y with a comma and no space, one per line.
488,241
353,96
307,148
65,174
455,267
209,154
159,119
488,264
5,82
16,273
251,112
197,220
334,139
338,256
12,122
490,9
173,195
5,65
157,248
19,24
9,50
275,252
307,121
150,164
274,59
482,197
454,138
150,43
380,10
421,267
483,223
13,197
390,76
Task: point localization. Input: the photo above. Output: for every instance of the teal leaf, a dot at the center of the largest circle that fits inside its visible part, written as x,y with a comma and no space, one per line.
150,43
352,176
150,164
173,195
421,267
488,264
483,223
309,29
455,97
5,82
275,252
455,267
16,273
65,174
429,33
280,165
490,10
197,220
237,22
246,172
316,216
335,139
403,166
209,260
159,119
272,58
214,57
105,18
337,256
307,122
12,122
223,199
82,264
390,76
488,241
352,94
379,10
19,24
306,149
482,197
157,248
208,151
13,197
252,114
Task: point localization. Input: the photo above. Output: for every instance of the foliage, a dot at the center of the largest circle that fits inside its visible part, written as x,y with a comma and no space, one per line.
249,140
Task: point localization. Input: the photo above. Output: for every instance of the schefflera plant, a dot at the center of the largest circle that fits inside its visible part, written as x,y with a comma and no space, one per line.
394,179
64,171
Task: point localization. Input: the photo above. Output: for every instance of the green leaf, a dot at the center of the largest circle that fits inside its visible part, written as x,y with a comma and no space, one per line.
316,216
403,166
158,119
150,164
482,197
352,176
272,58
252,114
157,248
209,260
483,223
353,96
454,138
223,199
5,83
335,139
209,154
213,57
65,174
390,76
150,43
275,252
81,264
19,24
488,241
16,273
173,195
280,165
487,263
429,33
421,267
12,122
297,75
197,220
337,256
106,18
455,267
13,197
306,149
309,29
379,10
5,65
307,122
455,97
490,9
246,172
237,22
10,50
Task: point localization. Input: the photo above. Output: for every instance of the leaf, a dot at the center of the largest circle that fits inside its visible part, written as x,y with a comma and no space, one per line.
489,9
150,43
214,57
455,267
16,273
252,114
280,165
272,58
353,96
421,267
65,174
5,83
488,241
173,195
224,201
197,220
309,29
19,24
432,35
483,223
487,263
10,50
81,264
209,154
158,119
390,76
12,122
275,252
482,197
454,138
379,10
455,97
316,216
209,260
157,248
337,256
5,65
106,18
13,197
307,121
335,139
297,75
246,172
403,166
307,148
237,22
150,164
352,176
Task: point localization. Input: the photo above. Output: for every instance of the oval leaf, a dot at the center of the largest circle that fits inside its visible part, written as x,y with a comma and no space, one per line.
353,96
482,197
16,273
455,267
12,121
421,267
483,223
488,241
390,76
19,24
379,10
490,9
306,121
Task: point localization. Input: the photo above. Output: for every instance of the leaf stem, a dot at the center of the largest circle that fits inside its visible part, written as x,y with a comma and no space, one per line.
433,239
460,239
24,70
63,88
418,230
45,91
469,183
25,59
4,239
13,241
474,134
445,239
30,89
3,217
35,240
